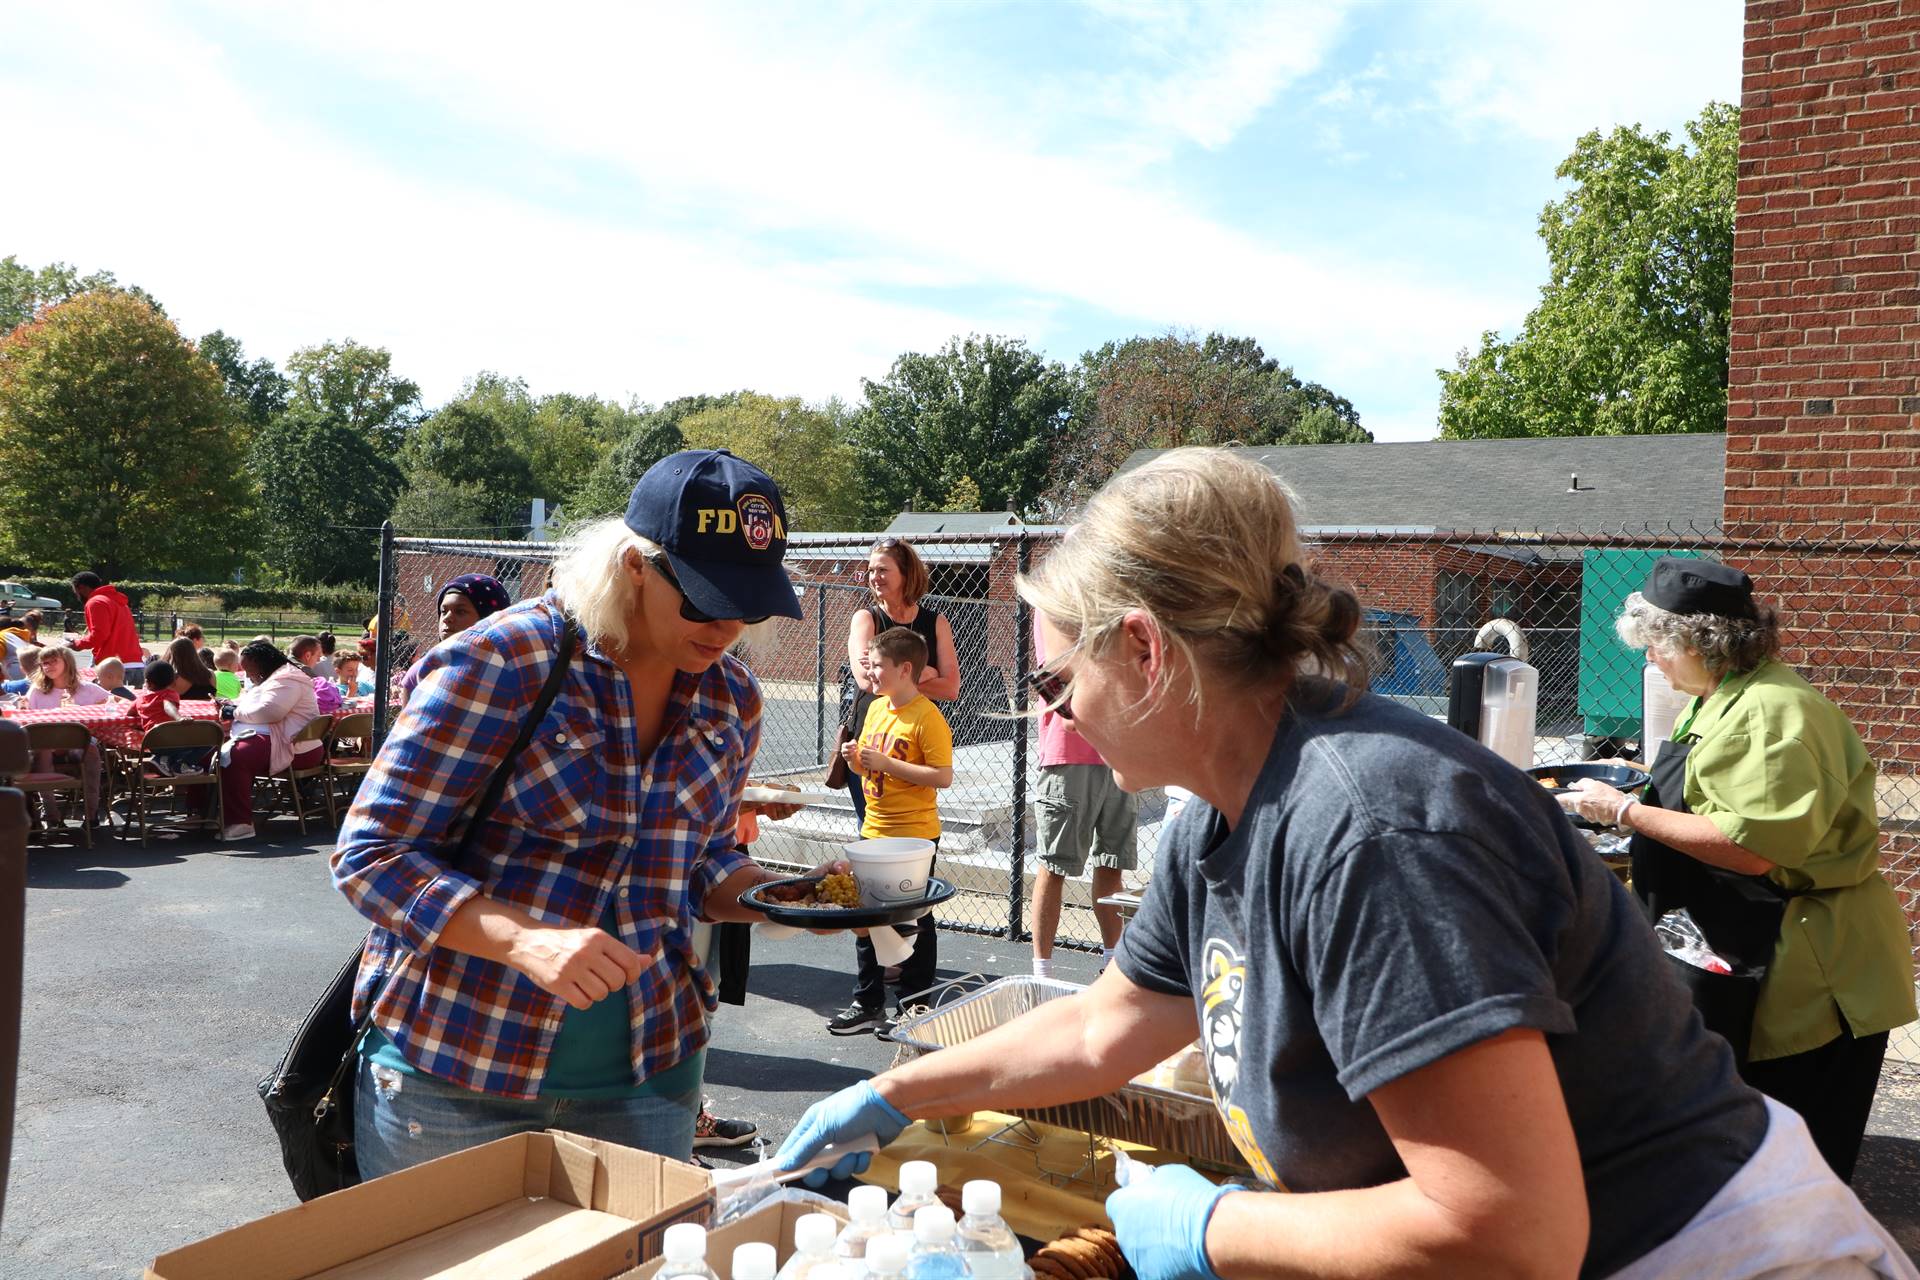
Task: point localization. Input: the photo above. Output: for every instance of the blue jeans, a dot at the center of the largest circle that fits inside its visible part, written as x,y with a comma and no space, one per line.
403,1120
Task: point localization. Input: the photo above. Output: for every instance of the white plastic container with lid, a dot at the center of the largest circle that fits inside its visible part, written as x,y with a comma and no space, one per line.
754,1260
993,1251
685,1248
887,1256
936,1246
868,1208
919,1179
813,1238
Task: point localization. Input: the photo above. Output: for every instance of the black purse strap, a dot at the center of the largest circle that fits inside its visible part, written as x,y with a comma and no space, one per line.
496,785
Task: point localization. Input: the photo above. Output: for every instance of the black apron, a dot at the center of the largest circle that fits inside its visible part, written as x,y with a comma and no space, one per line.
1739,914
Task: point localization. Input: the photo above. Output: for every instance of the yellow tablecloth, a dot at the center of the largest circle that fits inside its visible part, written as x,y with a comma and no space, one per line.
1032,1205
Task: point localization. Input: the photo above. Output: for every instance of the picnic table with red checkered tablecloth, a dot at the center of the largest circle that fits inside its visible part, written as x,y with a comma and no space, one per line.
113,723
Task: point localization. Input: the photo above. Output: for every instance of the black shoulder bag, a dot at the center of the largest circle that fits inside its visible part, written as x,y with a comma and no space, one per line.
309,1096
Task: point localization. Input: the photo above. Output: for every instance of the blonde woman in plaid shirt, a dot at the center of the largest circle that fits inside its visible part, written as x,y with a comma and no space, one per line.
552,980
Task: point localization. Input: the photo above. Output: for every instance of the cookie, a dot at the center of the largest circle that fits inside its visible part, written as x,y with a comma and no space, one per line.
1085,1258
1108,1246
1048,1268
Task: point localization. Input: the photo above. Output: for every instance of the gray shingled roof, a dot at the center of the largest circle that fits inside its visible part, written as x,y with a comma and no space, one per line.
1626,483
909,524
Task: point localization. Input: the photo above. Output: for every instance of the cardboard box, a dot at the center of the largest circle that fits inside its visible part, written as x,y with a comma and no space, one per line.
538,1206
772,1225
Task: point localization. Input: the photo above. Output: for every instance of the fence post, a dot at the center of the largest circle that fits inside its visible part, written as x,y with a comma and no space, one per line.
383,638
1017,855
820,677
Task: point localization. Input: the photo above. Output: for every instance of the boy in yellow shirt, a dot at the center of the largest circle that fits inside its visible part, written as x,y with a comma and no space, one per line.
904,756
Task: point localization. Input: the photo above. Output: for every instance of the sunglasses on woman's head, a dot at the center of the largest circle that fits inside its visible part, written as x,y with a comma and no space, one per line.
688,610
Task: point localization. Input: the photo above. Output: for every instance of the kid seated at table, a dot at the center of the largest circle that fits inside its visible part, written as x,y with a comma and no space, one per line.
226,673
111,674
29,663
158,704
904,756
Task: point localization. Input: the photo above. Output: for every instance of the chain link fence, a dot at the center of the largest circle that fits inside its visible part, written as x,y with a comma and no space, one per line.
1850,618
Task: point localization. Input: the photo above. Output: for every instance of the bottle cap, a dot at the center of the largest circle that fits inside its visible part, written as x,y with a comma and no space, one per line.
815,1233
754,1261
685,1242
868,1204
918,1178
933,1224
982,1195
886,1255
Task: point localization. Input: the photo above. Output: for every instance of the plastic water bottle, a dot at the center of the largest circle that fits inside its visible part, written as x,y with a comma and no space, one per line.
936,1247
868,1206
754,1260
918,1182
989,1243
685,1248
813,1245
887,1256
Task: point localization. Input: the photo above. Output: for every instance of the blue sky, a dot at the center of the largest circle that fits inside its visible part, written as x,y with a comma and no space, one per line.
653,201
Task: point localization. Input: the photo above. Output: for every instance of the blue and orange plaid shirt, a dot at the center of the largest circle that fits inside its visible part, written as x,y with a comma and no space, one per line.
587,829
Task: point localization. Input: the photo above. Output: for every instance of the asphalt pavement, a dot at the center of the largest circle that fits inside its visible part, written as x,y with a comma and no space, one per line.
161,984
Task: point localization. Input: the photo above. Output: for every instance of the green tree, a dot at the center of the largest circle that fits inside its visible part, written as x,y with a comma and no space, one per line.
651,435
257,389
355,384
24,291
567,435
805,450
965,496
324,489
471,447
1630,335
1172,390
118,449
984,407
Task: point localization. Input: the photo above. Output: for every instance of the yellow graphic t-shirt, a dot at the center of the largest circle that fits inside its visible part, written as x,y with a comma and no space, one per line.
918,734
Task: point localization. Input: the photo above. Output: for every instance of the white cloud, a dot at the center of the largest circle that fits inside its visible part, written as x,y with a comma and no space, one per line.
721,195
1552,73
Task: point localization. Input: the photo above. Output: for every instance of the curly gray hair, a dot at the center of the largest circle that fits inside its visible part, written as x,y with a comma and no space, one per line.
1728,646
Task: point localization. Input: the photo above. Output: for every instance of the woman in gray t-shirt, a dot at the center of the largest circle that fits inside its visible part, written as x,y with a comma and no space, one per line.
1425,1008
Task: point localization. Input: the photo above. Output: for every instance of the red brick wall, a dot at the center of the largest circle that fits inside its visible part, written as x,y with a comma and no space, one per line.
1824,385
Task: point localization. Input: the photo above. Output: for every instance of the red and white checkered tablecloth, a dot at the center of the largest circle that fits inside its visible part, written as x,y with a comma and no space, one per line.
110,722
113,722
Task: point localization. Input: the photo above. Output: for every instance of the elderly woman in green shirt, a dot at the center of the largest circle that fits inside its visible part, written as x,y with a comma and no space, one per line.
1761,820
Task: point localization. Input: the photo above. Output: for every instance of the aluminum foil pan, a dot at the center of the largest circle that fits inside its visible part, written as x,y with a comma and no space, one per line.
1164,1119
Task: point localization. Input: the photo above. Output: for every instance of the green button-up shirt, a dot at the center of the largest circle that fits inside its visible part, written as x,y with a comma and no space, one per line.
1781,772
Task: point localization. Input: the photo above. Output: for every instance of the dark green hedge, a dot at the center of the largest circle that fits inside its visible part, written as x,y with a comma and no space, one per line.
331,601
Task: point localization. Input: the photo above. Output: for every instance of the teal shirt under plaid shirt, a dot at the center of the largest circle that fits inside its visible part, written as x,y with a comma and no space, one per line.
586,830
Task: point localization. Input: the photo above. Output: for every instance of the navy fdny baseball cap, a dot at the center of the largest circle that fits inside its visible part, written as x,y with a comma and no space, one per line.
724,529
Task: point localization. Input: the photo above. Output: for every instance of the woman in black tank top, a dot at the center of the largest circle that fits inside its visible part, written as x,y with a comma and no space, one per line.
898,579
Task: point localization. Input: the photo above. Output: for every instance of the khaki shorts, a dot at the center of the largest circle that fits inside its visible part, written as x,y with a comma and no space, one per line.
1080,807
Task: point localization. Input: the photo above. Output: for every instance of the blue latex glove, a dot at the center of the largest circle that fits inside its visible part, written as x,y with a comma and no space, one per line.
854,1112
1161,1222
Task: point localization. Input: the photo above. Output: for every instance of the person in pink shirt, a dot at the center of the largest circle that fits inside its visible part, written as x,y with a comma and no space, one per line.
1080,810
57,684
277,704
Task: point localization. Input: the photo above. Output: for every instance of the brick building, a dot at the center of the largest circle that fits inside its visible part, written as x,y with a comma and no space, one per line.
1823,405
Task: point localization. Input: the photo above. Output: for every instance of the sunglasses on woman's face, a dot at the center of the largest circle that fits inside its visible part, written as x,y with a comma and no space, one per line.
1048,687
688,610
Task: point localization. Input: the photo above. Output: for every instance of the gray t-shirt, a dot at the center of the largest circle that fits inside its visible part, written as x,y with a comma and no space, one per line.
1394,893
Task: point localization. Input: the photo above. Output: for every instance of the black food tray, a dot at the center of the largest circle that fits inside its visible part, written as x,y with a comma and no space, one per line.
814,917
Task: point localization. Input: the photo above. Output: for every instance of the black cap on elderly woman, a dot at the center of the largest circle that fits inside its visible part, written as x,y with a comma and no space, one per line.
1681,584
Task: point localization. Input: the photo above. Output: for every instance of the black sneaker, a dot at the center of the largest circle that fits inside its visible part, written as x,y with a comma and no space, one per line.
855,1020
710,1130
